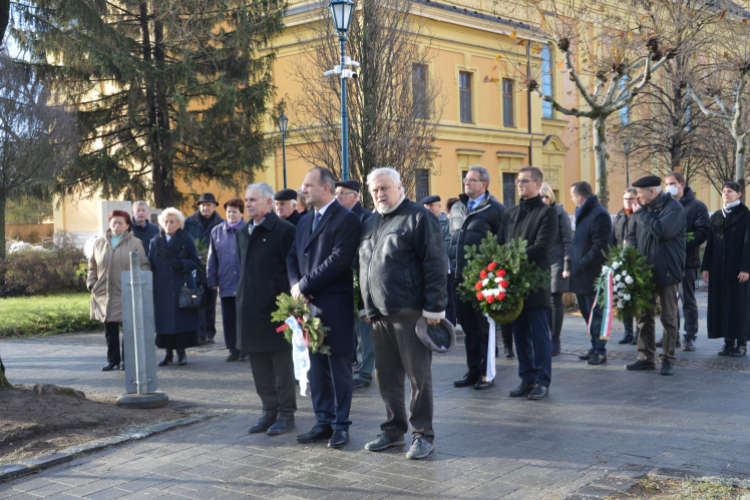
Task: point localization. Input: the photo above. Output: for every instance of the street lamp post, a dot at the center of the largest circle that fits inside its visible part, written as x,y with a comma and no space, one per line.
626,148
283,122
341,13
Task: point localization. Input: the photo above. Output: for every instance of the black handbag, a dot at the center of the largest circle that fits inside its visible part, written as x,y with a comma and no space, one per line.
192,298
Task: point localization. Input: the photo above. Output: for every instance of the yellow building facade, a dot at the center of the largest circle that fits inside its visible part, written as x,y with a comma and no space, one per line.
480,53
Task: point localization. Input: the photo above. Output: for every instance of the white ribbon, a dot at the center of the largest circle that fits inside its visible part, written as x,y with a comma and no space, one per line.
300,354
491,343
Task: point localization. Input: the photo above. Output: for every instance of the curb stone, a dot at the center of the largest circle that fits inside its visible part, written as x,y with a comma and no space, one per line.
32,466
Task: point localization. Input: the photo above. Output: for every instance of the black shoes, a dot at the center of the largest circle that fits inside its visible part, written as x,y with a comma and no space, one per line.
110,366
689,345
627,339
315,434
484,384
468,380
727,349
597,359
641,364
167,358
522,391
556,346
280,427
383,443
635,339
666,368
361,384
509,352
181,357
539,392
338,439
587,356
739,351
262,425
233,356
244,357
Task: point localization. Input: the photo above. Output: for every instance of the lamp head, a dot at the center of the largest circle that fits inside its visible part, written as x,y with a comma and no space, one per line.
341,13
283,122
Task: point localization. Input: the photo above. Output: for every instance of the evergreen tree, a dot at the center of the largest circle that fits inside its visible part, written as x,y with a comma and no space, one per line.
165,89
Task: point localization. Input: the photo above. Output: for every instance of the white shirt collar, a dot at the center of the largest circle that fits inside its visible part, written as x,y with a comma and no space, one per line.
322,211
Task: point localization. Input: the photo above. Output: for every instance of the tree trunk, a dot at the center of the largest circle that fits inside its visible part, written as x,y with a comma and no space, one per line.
3,203
739,160
601,160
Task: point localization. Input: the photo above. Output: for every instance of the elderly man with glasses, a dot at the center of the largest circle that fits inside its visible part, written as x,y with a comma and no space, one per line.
620,230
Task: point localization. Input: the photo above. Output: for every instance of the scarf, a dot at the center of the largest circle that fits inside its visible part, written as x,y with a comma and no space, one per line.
115,240
628,212
727,209
234,225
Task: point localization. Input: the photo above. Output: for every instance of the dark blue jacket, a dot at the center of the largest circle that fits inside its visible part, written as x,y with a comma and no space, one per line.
591,240
145,233
223,266
321,263
169,317
194,228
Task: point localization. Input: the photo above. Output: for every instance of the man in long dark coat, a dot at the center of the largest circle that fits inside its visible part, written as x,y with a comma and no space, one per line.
726,269
263,248
536,223
590,242
320,270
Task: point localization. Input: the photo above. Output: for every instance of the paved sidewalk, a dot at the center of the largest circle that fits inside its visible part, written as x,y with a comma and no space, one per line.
597,422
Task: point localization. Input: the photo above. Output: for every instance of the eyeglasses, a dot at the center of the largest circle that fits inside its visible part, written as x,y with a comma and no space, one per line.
472,180
342,193
521,182
628,199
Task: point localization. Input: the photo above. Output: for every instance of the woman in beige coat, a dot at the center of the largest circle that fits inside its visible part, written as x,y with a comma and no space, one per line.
110,257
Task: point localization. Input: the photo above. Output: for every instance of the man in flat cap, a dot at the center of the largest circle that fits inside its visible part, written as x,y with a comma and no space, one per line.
285,205
432,203
657,230
348,194
199,226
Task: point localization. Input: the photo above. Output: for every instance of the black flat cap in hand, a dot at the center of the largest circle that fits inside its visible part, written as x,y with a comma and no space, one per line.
350,184
429,199
285,194
647,182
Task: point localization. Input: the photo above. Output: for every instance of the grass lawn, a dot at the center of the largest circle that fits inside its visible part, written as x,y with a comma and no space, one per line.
45,315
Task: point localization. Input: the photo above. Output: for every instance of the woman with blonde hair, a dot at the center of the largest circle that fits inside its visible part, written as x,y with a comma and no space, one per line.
173,258
109,258
560,257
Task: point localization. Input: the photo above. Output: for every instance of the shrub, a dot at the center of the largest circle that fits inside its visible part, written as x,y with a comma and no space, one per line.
35,271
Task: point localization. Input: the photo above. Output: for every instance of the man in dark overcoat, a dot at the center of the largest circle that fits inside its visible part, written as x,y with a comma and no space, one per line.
199,226
535,222
263,247
620,231
320,270
285,205
657,230
348,195
590,243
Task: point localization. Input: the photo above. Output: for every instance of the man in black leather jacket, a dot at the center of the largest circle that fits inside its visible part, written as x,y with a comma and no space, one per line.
657,230
402,279
476,213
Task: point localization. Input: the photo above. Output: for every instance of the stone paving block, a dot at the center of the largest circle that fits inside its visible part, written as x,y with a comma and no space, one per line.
107,494
96,486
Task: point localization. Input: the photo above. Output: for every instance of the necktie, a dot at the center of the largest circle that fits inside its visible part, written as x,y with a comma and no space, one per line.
316,220
470,207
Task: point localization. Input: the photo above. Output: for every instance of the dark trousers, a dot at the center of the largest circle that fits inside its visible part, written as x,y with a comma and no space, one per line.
585,304
207,315
476,336
400,354
331,384
647,325
273,373
533,346
112,334
229,320
557,314
689,303
450,310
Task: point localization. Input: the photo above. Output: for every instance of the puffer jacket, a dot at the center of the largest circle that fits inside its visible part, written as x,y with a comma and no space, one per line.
471,229
402,263
104,277
696,222
621,229
223,267
658,232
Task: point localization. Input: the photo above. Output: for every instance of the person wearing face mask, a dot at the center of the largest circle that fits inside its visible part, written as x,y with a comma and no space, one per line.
620,229
697,223
658,232
726,268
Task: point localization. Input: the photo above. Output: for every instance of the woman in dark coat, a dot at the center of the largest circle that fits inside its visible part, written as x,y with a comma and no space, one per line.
726,268
560,256
173,259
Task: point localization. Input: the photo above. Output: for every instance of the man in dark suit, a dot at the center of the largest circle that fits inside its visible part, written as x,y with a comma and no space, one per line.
592,238
285,205
320,270
535,222
262,249
348,195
